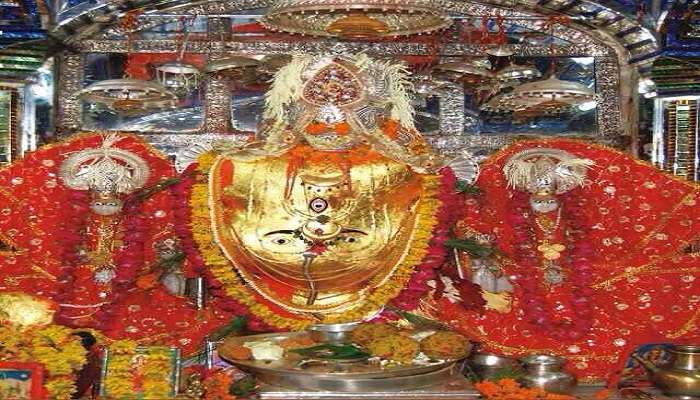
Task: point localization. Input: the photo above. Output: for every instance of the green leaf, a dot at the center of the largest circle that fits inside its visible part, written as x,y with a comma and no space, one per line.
507,373
172,262
471,246
236,326
464,187
419,321
331,352
149,191
243,387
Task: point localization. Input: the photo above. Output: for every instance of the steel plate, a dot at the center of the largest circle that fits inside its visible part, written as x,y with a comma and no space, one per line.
336,376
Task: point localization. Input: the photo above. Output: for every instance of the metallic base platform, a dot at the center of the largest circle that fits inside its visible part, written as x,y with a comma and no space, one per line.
455,389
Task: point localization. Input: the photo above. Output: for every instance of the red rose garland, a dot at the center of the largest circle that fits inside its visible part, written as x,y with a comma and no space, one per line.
71,237
128,260
576,258
449,210
182,192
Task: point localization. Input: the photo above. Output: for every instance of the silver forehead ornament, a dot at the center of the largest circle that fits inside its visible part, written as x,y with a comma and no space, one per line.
546,171
106,169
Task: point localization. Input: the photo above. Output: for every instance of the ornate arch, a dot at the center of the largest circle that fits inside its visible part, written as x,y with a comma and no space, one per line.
95,31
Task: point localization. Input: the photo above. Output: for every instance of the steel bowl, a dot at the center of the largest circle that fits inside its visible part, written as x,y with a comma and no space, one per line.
332,333
488,366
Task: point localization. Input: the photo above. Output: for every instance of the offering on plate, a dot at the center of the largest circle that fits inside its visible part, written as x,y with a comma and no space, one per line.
396,347
265,350
364,334
445,345
235,350
297,342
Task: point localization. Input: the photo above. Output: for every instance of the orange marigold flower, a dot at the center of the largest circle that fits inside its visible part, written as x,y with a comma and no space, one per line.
342,128
148,281
509,389
316,128
391,128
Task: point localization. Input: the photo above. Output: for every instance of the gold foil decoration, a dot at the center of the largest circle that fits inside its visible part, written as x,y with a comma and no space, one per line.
319,238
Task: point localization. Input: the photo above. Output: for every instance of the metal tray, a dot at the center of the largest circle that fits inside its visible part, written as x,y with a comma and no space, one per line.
337,376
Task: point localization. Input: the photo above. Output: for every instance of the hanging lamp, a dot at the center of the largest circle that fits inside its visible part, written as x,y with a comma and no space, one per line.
128,96
552,95
514,74
177,76
464,72
238,68
553,88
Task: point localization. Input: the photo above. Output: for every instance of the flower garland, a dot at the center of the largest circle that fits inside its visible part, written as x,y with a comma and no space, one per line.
318,128
433,223
509,389
56,347
418,287
581,271
128,259
217,386
127,375
182,192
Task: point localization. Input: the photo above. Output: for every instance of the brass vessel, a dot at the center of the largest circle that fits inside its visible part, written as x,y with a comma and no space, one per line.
680,376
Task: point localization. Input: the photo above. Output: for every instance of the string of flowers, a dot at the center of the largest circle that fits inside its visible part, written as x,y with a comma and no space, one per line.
418,287
128,259
132,371
182,192
71,236
217,386
577,257
509,389
118,382
55,347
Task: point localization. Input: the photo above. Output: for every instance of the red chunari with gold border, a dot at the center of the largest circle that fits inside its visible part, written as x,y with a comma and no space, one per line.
640,223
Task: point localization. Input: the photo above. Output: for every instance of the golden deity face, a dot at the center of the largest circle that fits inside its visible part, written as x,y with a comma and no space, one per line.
314,236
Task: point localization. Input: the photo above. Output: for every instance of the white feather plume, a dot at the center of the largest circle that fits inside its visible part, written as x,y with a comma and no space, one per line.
286,89
573,171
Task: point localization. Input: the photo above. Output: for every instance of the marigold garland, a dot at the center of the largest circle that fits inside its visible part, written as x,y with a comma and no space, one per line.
217,386
124,378
222,270
55,347
342,128
509,389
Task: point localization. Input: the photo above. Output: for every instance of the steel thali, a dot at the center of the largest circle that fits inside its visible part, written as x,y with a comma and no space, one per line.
362,376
